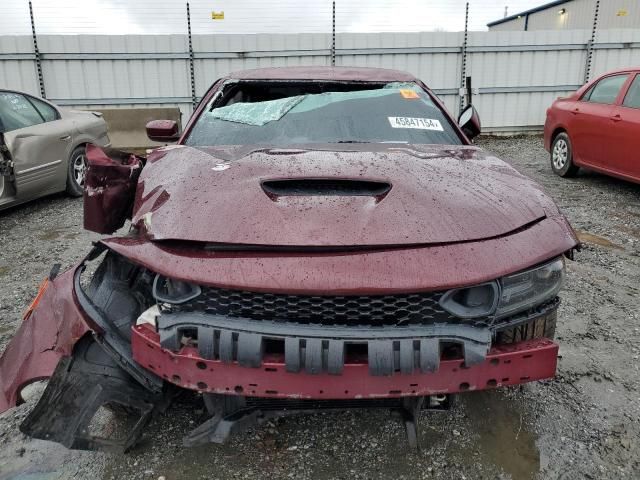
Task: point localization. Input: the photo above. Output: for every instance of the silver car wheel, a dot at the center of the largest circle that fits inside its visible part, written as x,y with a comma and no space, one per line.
560,154
79,169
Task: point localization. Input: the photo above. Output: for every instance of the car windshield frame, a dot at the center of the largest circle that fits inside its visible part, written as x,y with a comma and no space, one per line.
217,98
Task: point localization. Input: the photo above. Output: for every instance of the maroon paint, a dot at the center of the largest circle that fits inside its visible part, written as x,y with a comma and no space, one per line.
410,269
603,137
162,129
507,365
47,335
439,195
110,186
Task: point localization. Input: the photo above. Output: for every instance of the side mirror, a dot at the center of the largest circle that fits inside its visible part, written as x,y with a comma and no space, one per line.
469,122
163,131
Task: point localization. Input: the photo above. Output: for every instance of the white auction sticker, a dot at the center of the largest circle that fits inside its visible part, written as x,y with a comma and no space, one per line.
413,122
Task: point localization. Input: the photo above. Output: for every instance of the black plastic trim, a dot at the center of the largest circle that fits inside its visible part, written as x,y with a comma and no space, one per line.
109,339
318,349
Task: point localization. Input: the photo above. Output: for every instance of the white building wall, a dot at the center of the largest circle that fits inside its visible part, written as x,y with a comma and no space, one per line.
619,14
517,24
579,15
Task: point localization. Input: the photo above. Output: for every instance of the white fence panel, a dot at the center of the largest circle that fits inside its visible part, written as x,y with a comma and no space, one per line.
218,55
517,74
17,68
131,68
605,59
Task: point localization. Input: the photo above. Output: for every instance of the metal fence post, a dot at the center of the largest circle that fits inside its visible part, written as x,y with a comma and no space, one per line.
191,69
333,35
592,41
463,70
37,52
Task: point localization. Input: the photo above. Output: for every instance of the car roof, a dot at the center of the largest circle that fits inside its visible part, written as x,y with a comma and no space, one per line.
19,92
357,74
620,70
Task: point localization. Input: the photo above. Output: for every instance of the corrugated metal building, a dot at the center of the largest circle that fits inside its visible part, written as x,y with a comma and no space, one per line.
573,14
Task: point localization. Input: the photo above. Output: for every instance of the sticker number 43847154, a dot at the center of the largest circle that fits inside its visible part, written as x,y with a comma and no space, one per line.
413,122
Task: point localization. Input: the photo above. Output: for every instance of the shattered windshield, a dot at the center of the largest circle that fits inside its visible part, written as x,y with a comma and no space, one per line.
397,113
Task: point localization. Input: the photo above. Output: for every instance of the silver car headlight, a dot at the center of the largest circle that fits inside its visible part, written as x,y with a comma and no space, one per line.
527,289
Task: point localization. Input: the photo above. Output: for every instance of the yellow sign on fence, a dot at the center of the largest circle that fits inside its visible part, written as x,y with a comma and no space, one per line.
217,15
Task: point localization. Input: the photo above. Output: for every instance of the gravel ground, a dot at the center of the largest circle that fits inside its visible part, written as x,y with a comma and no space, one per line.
583,424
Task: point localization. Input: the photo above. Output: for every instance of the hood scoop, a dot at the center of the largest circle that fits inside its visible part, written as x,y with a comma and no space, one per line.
323,187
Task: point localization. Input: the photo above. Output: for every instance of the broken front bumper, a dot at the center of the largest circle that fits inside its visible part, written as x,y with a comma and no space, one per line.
503,365
317,349
230,359
97,365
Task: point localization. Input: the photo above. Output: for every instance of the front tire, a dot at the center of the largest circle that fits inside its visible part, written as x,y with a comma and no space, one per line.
76,171
561,156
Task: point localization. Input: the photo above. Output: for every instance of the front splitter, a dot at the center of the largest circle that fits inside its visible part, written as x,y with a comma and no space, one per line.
504,365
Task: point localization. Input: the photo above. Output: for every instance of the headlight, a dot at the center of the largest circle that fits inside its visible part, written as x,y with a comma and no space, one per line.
528,289
471,302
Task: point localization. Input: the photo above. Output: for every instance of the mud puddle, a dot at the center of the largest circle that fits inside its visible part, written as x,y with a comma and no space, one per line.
57,234
505,438
586,237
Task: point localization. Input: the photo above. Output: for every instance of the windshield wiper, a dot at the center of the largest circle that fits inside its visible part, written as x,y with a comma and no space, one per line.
353,141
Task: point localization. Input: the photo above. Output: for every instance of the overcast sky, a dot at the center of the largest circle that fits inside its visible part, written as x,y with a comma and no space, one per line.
250,16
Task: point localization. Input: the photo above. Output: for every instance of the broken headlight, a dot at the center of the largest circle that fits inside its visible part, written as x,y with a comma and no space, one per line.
170,290
527,289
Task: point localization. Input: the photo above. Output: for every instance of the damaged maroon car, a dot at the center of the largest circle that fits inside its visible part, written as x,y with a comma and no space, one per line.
318,238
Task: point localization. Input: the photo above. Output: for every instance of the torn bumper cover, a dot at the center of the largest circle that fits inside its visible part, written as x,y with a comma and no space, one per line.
90,366
46,335
79,387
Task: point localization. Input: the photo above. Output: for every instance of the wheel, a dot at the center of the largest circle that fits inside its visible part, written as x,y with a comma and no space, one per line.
562,156
76,171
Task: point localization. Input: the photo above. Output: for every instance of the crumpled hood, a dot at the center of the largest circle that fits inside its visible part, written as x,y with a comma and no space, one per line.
438,194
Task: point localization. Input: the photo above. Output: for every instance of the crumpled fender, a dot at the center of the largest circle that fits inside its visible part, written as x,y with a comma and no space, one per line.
110,186
48,333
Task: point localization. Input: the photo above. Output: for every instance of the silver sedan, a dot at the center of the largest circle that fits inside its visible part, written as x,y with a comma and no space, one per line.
42,148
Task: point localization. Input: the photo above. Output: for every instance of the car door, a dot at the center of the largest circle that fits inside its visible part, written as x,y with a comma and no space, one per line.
624,157
590,119
39,143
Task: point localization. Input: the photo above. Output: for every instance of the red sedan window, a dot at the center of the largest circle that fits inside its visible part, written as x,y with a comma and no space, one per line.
606,90
632,98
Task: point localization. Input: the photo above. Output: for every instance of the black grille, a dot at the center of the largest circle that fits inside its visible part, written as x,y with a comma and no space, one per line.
336,310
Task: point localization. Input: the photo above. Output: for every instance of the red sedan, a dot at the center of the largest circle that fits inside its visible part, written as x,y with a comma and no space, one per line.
597,127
